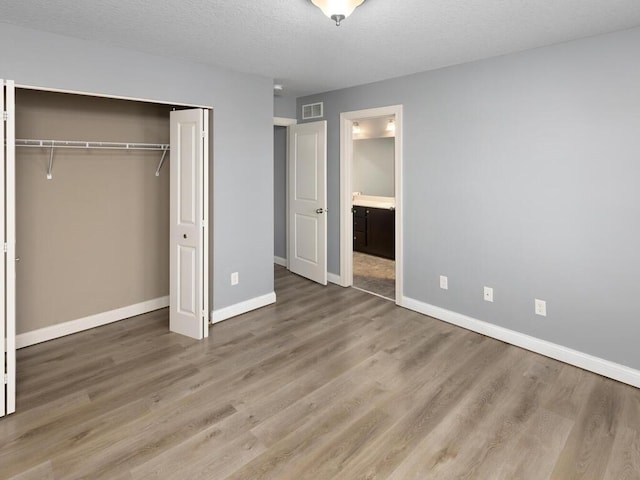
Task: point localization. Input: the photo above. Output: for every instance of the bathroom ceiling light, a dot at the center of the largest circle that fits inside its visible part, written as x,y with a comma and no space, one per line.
391,126
356,128
337,10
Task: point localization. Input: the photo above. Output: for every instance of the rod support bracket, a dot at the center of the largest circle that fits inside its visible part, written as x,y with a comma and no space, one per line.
164,154
50,167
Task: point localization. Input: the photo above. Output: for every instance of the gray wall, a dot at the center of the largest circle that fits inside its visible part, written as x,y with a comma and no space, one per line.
521,173
373,166
280,191
284,107
243,138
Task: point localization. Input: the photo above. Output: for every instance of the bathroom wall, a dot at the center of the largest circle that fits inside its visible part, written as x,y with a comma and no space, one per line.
373,166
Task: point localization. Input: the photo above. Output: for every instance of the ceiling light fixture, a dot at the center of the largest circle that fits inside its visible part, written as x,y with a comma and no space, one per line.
337,10
356,128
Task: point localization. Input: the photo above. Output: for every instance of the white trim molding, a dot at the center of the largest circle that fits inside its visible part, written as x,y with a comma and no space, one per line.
242,307
333,278
579,359
283,122
74,326
280,261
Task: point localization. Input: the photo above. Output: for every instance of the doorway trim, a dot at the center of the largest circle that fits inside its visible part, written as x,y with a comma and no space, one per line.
285,122
346,219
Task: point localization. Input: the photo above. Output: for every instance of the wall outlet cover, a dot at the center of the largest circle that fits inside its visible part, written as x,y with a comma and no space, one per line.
444,282
235,278
541,307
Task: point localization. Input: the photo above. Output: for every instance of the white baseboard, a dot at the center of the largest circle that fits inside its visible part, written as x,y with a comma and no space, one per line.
597,365
280,261
242,307
92,321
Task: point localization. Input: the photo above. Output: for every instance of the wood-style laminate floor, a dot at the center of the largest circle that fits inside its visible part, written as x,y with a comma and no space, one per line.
329,383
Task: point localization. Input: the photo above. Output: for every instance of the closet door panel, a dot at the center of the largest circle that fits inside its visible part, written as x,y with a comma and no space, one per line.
3,405
187,314
8,236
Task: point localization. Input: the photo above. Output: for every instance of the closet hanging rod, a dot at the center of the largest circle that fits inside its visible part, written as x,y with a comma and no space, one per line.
91,145
53,144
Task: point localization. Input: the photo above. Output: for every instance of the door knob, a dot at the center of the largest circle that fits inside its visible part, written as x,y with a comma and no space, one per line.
319,210
185,235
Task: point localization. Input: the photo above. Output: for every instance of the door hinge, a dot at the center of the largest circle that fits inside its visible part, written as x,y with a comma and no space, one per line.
5,247
203,134
5,116
6,378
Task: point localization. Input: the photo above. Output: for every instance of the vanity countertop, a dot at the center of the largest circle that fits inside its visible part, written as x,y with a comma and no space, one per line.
374,201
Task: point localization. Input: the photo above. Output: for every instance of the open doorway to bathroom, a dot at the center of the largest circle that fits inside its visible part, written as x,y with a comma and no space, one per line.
371,194
373,205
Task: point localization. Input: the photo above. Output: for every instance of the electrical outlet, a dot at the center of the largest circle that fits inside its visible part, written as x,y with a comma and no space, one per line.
488,294
235,278
444,282
541,307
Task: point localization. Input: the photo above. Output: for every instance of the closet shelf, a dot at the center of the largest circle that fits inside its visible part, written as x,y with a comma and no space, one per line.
53,144
83,144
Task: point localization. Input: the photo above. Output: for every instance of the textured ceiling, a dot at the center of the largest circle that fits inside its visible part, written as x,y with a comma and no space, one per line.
293,43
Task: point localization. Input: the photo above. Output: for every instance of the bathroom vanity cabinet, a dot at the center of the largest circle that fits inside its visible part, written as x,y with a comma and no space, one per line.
374,231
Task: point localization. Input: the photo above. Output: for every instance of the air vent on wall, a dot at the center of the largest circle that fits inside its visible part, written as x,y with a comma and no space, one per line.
312,110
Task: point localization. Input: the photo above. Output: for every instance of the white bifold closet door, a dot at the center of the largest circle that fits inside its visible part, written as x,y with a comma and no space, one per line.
188,270
8,239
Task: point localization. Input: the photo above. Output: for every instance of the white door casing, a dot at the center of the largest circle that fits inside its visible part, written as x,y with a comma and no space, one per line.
308,200
188,284
8,236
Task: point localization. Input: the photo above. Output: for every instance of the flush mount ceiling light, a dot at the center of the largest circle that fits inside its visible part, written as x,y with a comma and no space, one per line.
356,128
337,10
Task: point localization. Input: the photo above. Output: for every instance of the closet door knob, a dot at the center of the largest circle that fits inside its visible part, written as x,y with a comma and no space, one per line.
185,235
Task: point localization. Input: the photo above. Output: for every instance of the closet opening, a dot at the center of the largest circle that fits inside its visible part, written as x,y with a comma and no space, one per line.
93,211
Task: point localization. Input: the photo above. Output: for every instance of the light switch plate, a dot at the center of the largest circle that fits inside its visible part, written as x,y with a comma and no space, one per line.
444,282
488,294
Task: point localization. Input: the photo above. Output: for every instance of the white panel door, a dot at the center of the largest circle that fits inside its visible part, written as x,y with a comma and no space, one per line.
308,200
8,236
188,290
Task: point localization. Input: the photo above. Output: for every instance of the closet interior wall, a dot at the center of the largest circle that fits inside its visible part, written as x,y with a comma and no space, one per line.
95,237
